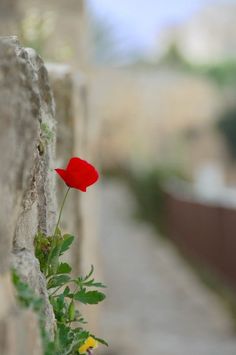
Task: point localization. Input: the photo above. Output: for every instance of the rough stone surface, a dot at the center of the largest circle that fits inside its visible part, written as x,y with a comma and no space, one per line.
27,141
63,86
73,139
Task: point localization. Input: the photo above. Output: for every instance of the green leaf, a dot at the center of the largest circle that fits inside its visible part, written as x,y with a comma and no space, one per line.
15,278
102,341
81,335
43,246
65,336
71,311
54,252
25,294
37,304
92,283
64,268
59,308
81,320
57,281
66,291
66,243
89,297
53,257
58,234
28,299
89,274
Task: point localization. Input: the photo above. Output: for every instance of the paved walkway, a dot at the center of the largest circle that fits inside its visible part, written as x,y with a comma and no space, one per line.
155,305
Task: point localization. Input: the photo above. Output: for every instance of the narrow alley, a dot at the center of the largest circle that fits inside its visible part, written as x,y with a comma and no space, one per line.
155,304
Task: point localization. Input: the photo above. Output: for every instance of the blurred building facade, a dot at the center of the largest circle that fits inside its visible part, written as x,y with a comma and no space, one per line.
157,117
167,113
58,30
205,38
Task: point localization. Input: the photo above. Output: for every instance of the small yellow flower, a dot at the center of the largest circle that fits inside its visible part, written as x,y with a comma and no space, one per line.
89,344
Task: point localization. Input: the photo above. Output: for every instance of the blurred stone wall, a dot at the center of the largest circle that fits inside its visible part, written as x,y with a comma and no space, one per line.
58,30
206,37
157,117
9,17
67,39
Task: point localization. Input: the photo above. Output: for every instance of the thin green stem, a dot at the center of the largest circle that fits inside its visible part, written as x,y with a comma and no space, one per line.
62,205
57,289
54,239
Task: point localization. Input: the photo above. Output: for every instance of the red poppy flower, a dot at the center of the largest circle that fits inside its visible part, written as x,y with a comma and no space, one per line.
79,174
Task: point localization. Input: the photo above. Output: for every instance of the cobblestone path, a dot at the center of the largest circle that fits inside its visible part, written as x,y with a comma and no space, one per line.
155,304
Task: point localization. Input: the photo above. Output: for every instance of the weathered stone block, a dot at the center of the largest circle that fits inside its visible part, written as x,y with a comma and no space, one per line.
27,139
63,86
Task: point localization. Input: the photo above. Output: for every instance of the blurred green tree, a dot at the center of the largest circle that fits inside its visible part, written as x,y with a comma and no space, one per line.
227,126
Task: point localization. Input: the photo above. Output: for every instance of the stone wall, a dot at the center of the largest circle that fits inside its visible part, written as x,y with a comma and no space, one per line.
28,126
76,131
9,17
27,140
68,40
63,86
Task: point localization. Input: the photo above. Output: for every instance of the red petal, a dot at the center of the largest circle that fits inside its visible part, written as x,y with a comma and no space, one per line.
76,164
79,174
62,174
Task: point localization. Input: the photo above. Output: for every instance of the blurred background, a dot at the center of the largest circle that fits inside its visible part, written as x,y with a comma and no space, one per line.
161,110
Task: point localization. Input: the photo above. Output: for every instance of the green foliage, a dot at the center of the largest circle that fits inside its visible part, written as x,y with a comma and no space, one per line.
58,280
67,241
36,28
49,249
223,74
227,126
173,58
25,295
64,268
27,299
65,292
89,297
101,341
69,340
